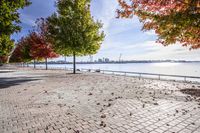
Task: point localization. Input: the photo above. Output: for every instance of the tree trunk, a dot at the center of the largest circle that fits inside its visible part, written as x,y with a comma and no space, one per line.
8,60
74,63
34,64
46,63
65,62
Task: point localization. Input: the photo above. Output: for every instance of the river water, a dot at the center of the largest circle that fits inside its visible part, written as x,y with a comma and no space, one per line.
185,69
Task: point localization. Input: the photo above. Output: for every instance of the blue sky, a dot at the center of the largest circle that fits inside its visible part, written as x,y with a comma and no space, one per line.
123,36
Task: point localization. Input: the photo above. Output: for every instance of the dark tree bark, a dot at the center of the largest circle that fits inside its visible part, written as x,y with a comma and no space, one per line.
34,64
74,63
46,63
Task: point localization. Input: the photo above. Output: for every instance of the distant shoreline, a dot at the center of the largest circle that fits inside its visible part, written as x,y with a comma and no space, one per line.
124,62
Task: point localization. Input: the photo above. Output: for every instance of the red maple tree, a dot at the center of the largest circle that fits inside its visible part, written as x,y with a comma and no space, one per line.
3,59
41,46
35,46
21,52
173,20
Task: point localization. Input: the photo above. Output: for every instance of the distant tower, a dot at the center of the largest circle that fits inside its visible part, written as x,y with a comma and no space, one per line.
65,58
91,58
120,57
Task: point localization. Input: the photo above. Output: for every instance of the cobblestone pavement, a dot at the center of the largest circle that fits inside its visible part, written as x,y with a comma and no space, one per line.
56,101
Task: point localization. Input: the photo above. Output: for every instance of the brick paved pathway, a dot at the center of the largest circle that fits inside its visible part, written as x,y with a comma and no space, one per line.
52,101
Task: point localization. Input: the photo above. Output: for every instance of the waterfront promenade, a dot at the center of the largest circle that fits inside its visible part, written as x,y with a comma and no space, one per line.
57,101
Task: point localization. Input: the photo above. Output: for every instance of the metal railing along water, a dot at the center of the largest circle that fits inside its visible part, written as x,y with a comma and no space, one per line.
143,75
135,74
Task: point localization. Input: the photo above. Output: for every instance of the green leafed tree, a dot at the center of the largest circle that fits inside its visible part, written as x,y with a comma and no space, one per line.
9,24
6,45
73,30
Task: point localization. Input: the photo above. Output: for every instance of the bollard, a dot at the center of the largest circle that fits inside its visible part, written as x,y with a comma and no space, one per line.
140,76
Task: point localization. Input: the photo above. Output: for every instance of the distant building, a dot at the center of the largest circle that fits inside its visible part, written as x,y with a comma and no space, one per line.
100,60
107,60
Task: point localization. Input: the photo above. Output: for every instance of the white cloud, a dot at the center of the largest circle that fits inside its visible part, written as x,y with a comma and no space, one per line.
27,19
106,13
154,51
151,32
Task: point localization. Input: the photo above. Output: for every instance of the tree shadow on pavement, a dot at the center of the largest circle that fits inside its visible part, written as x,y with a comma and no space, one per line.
192,92
8,82
6,71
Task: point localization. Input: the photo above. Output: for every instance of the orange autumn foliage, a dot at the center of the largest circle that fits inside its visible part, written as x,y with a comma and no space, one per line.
172,20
